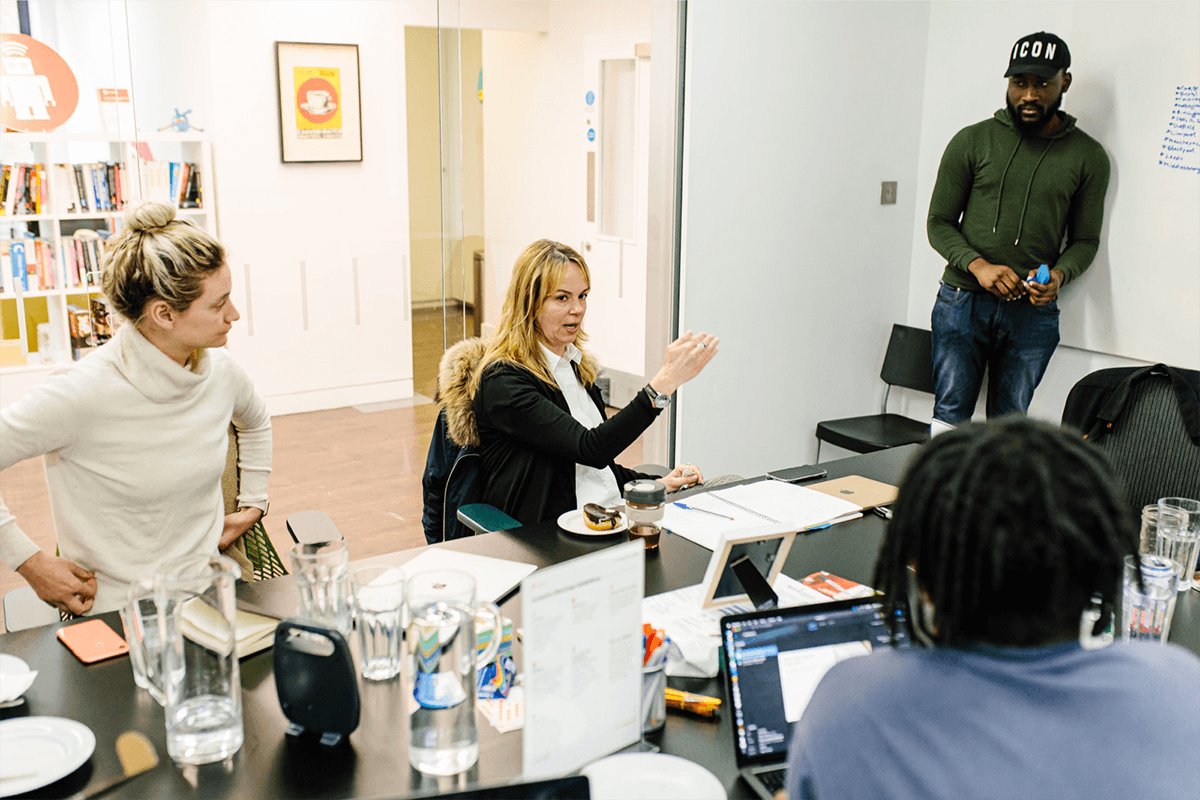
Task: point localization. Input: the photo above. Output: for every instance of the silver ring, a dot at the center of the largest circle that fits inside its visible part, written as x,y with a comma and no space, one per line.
703,345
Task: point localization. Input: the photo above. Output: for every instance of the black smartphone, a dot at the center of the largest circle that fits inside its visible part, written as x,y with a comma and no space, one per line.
797,474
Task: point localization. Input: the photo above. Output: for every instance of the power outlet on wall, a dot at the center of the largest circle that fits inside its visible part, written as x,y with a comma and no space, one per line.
887,197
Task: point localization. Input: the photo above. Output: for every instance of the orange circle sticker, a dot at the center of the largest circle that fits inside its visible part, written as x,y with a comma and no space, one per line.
38,91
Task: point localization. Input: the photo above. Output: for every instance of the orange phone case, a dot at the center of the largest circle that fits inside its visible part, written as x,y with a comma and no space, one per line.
93,641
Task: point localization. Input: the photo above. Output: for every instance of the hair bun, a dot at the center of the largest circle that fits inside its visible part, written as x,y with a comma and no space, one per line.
149,215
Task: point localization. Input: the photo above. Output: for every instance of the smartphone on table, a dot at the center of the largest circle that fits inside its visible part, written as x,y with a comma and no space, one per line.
92,641
797,474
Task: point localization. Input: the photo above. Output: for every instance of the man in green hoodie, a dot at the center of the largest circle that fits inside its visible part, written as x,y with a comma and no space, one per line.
1008,190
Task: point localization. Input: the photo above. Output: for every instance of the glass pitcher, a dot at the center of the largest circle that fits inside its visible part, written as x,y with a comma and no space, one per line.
441,670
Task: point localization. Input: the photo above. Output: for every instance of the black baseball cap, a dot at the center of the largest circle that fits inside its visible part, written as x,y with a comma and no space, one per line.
1041,53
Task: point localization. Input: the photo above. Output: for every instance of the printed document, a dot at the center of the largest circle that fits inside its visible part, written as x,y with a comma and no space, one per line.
749,506
583,659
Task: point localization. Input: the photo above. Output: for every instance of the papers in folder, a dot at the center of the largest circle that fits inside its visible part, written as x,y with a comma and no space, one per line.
752,505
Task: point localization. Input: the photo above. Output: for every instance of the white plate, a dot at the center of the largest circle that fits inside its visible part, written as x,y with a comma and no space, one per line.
572,521
42,749
651,776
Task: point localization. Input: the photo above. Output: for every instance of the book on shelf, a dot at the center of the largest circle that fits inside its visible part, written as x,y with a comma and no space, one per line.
88,327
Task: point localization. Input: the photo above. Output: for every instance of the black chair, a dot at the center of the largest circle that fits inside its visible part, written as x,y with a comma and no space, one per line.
1146,420
908,364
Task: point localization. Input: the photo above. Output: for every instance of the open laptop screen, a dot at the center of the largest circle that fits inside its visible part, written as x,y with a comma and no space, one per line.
775,659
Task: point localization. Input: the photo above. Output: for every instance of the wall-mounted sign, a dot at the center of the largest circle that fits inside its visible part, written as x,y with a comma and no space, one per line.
38,91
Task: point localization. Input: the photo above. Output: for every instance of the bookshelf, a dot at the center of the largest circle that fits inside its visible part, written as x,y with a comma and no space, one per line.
25,358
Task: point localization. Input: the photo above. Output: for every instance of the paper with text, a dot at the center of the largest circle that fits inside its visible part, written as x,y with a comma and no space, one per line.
583,659
749,506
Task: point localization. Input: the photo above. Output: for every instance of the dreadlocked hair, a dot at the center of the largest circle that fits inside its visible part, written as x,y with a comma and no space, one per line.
1011,528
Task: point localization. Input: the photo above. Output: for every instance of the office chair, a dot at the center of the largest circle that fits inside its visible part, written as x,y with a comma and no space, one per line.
1146,421
908,364
254,551
23,609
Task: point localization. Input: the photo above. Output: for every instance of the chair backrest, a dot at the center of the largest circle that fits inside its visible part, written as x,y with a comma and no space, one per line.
909,359
1148,445
23,610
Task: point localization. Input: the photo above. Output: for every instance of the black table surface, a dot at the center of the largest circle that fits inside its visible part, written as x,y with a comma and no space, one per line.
373,763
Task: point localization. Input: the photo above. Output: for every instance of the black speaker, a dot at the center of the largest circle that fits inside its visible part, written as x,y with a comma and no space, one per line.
316,681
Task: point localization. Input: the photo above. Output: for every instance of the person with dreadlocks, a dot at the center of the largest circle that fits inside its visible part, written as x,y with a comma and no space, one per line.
1004,536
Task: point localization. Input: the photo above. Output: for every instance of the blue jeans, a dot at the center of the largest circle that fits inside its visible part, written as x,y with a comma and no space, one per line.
974,331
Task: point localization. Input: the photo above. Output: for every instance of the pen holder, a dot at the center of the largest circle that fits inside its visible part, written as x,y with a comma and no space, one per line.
654,697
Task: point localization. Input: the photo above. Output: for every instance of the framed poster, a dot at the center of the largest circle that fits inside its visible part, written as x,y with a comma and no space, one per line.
320,105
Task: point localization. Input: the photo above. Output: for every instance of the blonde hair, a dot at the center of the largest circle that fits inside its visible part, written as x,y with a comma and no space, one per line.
539,272
157,257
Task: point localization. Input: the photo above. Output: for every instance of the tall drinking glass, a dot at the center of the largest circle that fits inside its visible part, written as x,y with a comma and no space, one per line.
197,623
1156,518
139,616
1183,546
379,604
442,665
321,571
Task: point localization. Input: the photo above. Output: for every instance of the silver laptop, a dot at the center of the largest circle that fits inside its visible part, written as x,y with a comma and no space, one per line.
773,662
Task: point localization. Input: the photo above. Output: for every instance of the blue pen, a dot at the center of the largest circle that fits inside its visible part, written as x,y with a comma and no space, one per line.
686,507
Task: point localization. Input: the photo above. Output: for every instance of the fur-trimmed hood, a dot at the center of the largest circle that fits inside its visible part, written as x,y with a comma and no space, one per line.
454,375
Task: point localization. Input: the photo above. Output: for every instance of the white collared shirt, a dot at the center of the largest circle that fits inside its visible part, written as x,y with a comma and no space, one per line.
591,485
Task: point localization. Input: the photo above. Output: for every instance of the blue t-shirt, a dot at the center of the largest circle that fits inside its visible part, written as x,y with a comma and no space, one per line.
988,722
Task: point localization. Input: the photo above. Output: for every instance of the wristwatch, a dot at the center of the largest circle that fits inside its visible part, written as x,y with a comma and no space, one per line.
657,398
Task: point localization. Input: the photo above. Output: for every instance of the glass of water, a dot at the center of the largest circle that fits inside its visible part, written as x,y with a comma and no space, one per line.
1183,545
379,605
442,667
321,571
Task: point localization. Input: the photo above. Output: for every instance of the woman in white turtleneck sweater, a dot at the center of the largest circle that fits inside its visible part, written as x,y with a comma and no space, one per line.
135,435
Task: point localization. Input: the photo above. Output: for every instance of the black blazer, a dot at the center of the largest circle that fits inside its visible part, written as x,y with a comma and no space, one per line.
531,443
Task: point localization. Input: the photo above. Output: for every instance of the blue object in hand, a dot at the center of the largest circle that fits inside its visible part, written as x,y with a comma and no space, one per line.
1043,275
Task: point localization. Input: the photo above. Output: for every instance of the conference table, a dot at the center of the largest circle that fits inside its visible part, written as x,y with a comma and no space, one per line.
373,763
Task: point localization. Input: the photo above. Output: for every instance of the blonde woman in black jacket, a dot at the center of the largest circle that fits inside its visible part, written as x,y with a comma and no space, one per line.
546,445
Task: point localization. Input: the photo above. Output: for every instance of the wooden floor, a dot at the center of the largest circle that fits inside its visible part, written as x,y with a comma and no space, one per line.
362,467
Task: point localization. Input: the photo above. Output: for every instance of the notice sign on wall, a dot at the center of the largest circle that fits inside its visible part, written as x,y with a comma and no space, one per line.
320,108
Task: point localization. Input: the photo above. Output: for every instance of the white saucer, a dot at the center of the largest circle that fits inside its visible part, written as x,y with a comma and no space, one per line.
41,750
572,522
651,776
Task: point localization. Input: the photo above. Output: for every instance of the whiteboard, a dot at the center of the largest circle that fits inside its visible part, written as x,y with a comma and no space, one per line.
1138,88
1136,69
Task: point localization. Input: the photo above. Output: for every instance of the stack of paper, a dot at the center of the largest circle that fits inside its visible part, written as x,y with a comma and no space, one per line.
208,627
752,505
695,632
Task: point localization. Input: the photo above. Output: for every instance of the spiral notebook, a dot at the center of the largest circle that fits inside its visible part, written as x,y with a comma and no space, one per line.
752,505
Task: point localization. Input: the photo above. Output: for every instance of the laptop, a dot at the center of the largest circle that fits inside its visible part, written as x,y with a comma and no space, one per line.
773,662
858,490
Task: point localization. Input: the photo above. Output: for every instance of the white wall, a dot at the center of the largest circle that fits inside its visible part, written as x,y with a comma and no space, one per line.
795,114
534,158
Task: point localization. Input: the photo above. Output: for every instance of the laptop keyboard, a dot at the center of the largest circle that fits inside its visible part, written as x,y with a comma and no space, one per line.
772,779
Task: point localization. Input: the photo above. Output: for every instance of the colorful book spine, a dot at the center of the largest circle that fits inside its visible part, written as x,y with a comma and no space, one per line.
81,188
20,274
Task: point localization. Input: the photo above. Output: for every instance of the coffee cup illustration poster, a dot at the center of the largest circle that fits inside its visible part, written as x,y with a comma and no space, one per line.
318,106
320,102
